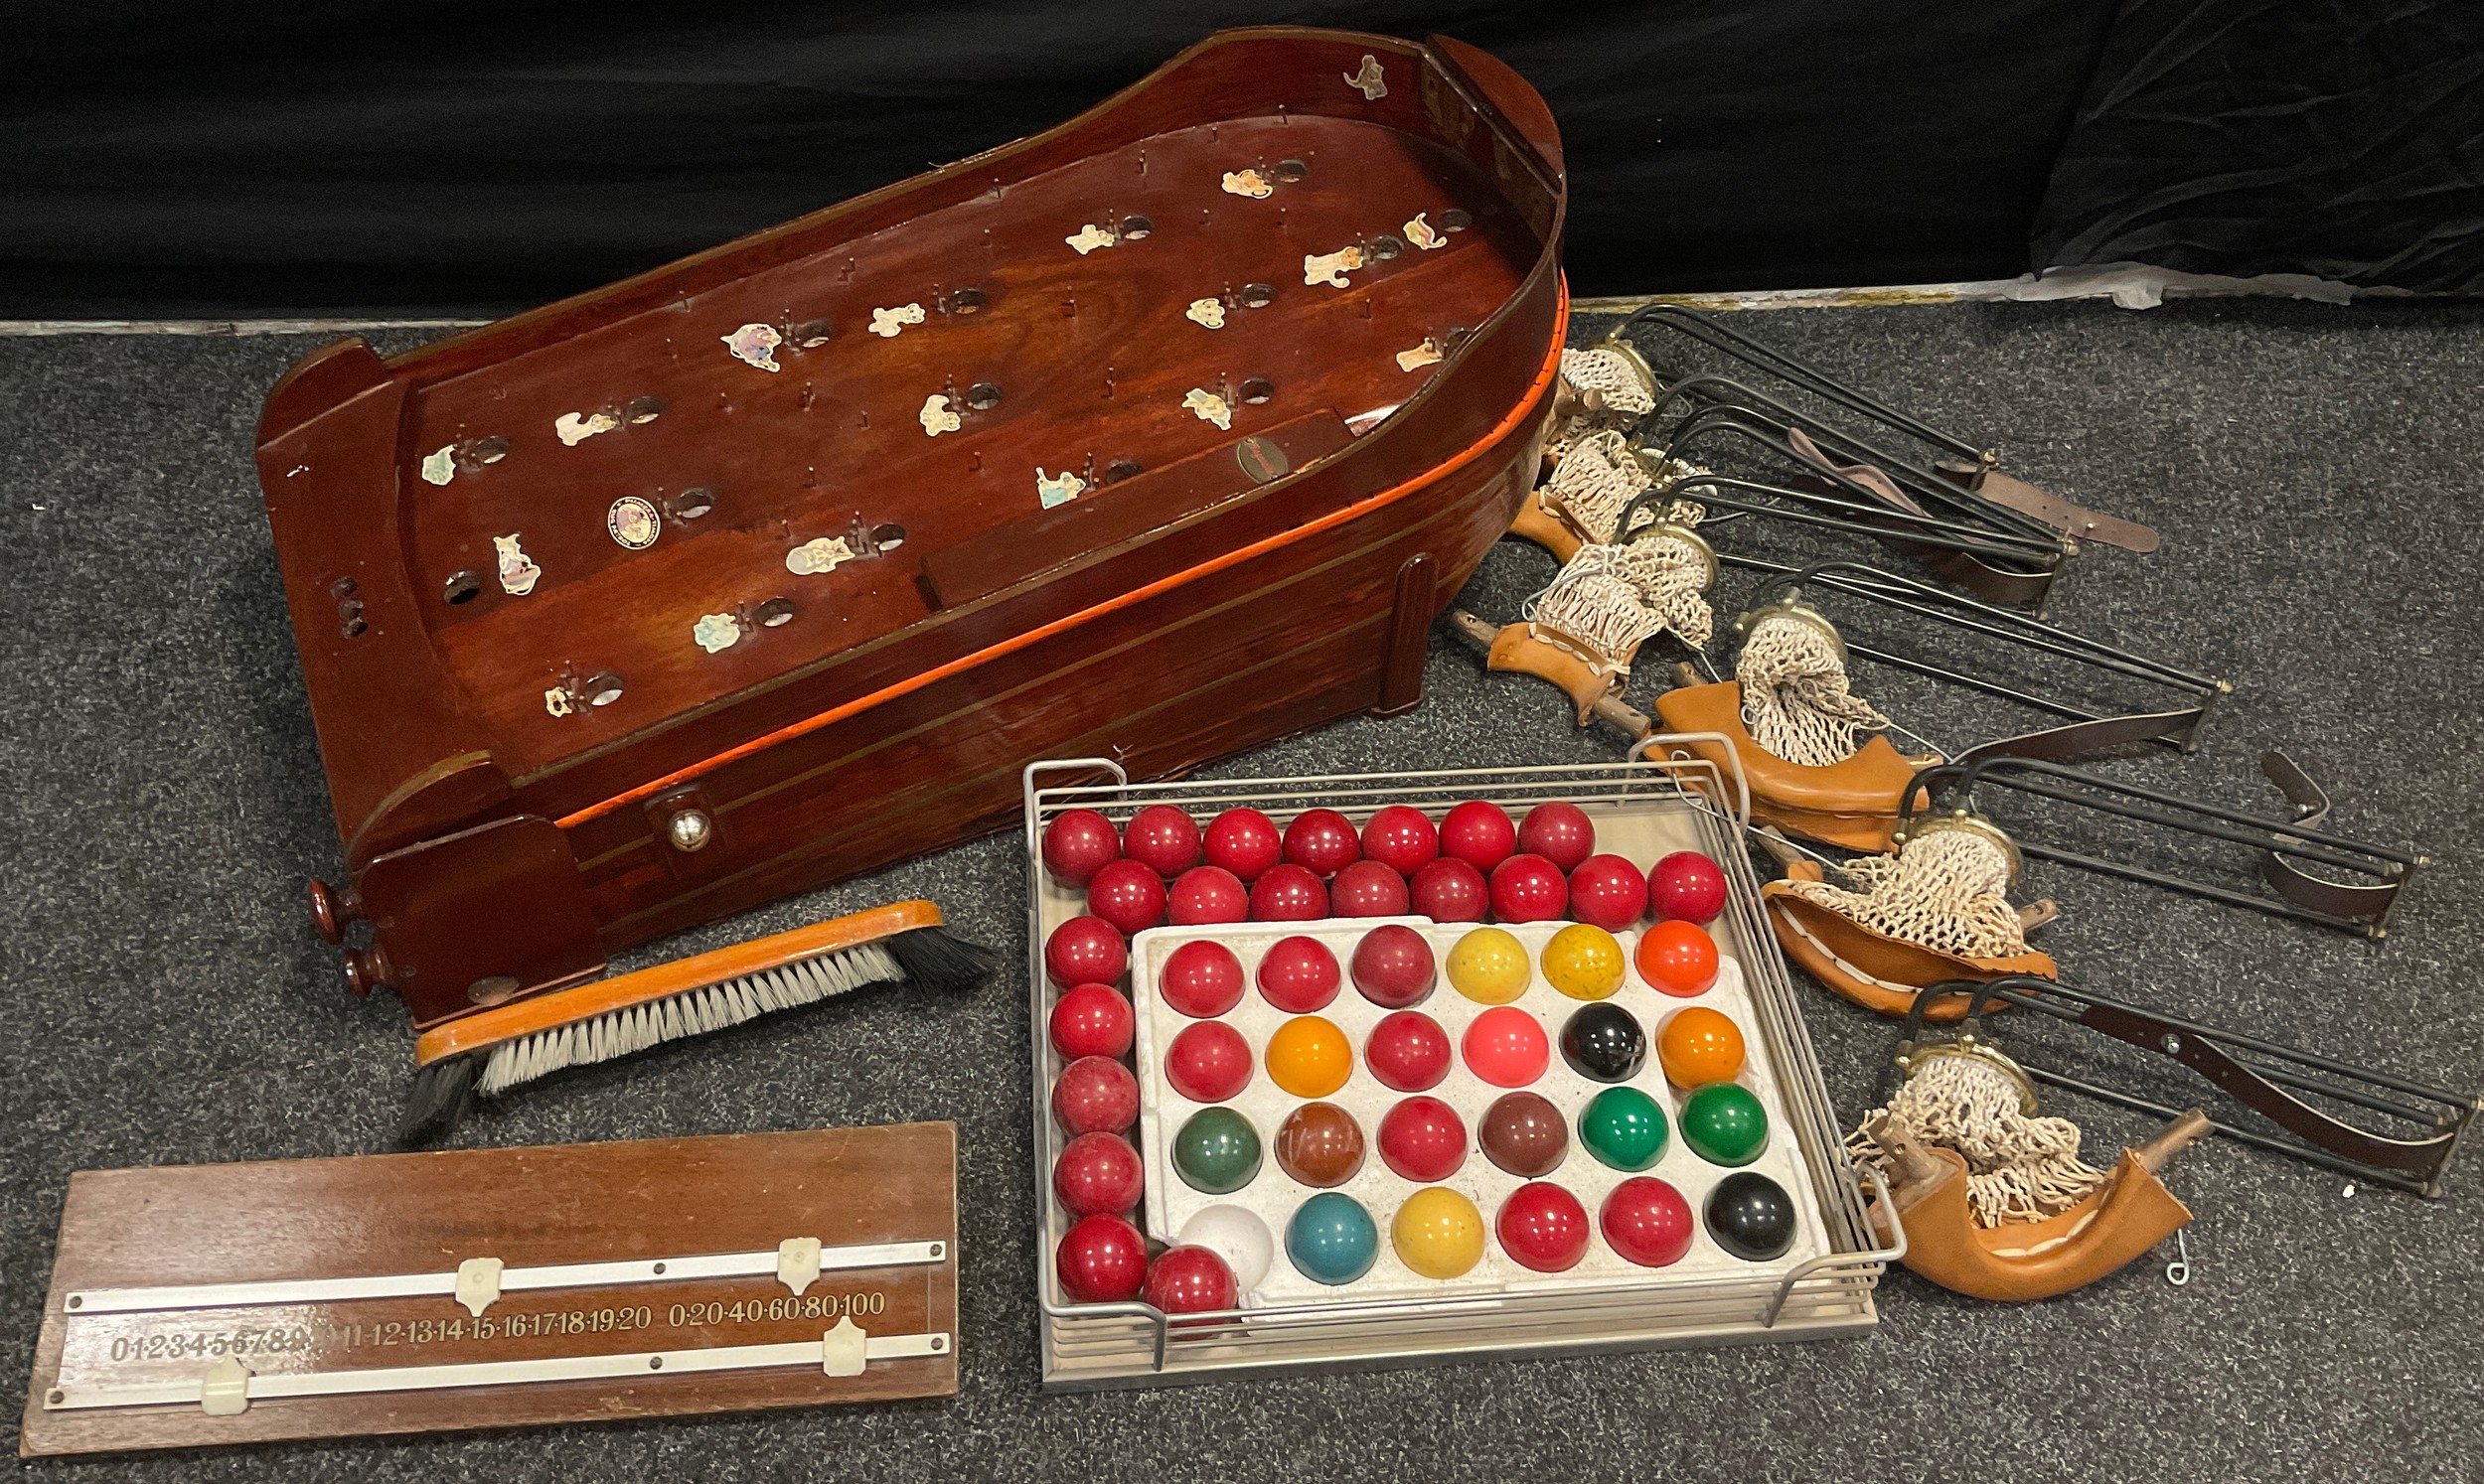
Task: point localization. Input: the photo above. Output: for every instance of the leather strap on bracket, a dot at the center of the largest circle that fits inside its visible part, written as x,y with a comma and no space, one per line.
2073,521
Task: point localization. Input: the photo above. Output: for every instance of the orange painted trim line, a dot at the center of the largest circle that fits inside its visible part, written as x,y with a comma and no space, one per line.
1017,641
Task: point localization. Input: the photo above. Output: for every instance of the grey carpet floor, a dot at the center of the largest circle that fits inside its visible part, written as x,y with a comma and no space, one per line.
2313,470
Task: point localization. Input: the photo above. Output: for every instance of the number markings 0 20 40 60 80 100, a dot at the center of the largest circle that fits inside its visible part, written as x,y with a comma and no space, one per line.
358,1334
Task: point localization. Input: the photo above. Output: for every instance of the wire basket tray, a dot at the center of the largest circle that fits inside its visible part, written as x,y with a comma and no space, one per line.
1696,804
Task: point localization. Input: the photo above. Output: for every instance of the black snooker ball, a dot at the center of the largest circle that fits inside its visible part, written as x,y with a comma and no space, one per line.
1604,1043
1751,1215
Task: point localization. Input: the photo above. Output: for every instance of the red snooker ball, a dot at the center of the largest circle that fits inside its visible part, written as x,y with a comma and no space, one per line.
1560,832
1079,843
1368,888
1450,890
1097,1174
1686,885
1288,893
1479,834
1647,1222
1400,837
1091,1020
1243,841
1423,1139
1210,894
1298,976
1201,980
1677,957
1128,894
1392,966
1101,1260
1608,891
1190,1280
1322,841
1528,889
1163,838
1407,1051
1208,1062
1085,950
1096,1094
1543,1228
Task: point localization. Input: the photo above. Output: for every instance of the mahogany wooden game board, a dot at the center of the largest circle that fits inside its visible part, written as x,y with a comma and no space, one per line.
1161,433
396,1294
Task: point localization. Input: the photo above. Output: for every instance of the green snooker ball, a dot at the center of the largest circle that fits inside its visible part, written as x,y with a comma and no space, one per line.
1723,1125
1216,1150
1623,1127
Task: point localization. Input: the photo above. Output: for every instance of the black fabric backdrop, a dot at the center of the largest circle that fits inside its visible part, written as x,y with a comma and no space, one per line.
2341,138
166,157
171,157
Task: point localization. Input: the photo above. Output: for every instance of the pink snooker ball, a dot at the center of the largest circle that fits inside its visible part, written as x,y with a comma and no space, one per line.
1506,1047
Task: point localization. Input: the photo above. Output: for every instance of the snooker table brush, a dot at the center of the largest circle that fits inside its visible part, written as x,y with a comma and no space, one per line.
492,1051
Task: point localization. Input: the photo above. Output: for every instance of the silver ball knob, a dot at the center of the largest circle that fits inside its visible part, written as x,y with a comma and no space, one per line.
691,829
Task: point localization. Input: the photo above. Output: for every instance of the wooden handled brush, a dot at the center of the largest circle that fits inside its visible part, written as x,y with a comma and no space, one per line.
492,1051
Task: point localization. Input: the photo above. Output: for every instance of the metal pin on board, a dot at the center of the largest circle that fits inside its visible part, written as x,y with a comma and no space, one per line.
2178,1271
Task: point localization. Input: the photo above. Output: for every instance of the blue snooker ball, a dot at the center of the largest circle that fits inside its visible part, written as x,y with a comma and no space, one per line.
1332,1239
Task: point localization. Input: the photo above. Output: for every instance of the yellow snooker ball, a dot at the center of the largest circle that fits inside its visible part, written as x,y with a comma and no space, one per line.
1489,965
1584,962
1310,1057
1437,1232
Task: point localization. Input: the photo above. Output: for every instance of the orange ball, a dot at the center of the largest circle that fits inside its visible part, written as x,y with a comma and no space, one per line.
1310,1057
1698,1046
1677,957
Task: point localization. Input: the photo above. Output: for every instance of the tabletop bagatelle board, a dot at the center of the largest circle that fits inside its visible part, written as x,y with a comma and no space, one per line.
1157,435
874,1319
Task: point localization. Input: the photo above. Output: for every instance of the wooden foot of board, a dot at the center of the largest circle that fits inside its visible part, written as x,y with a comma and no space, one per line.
1410,636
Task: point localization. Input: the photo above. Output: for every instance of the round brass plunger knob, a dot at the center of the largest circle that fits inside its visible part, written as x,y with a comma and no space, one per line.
691,829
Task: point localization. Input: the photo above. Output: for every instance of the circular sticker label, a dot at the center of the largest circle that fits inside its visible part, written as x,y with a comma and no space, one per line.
632,522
